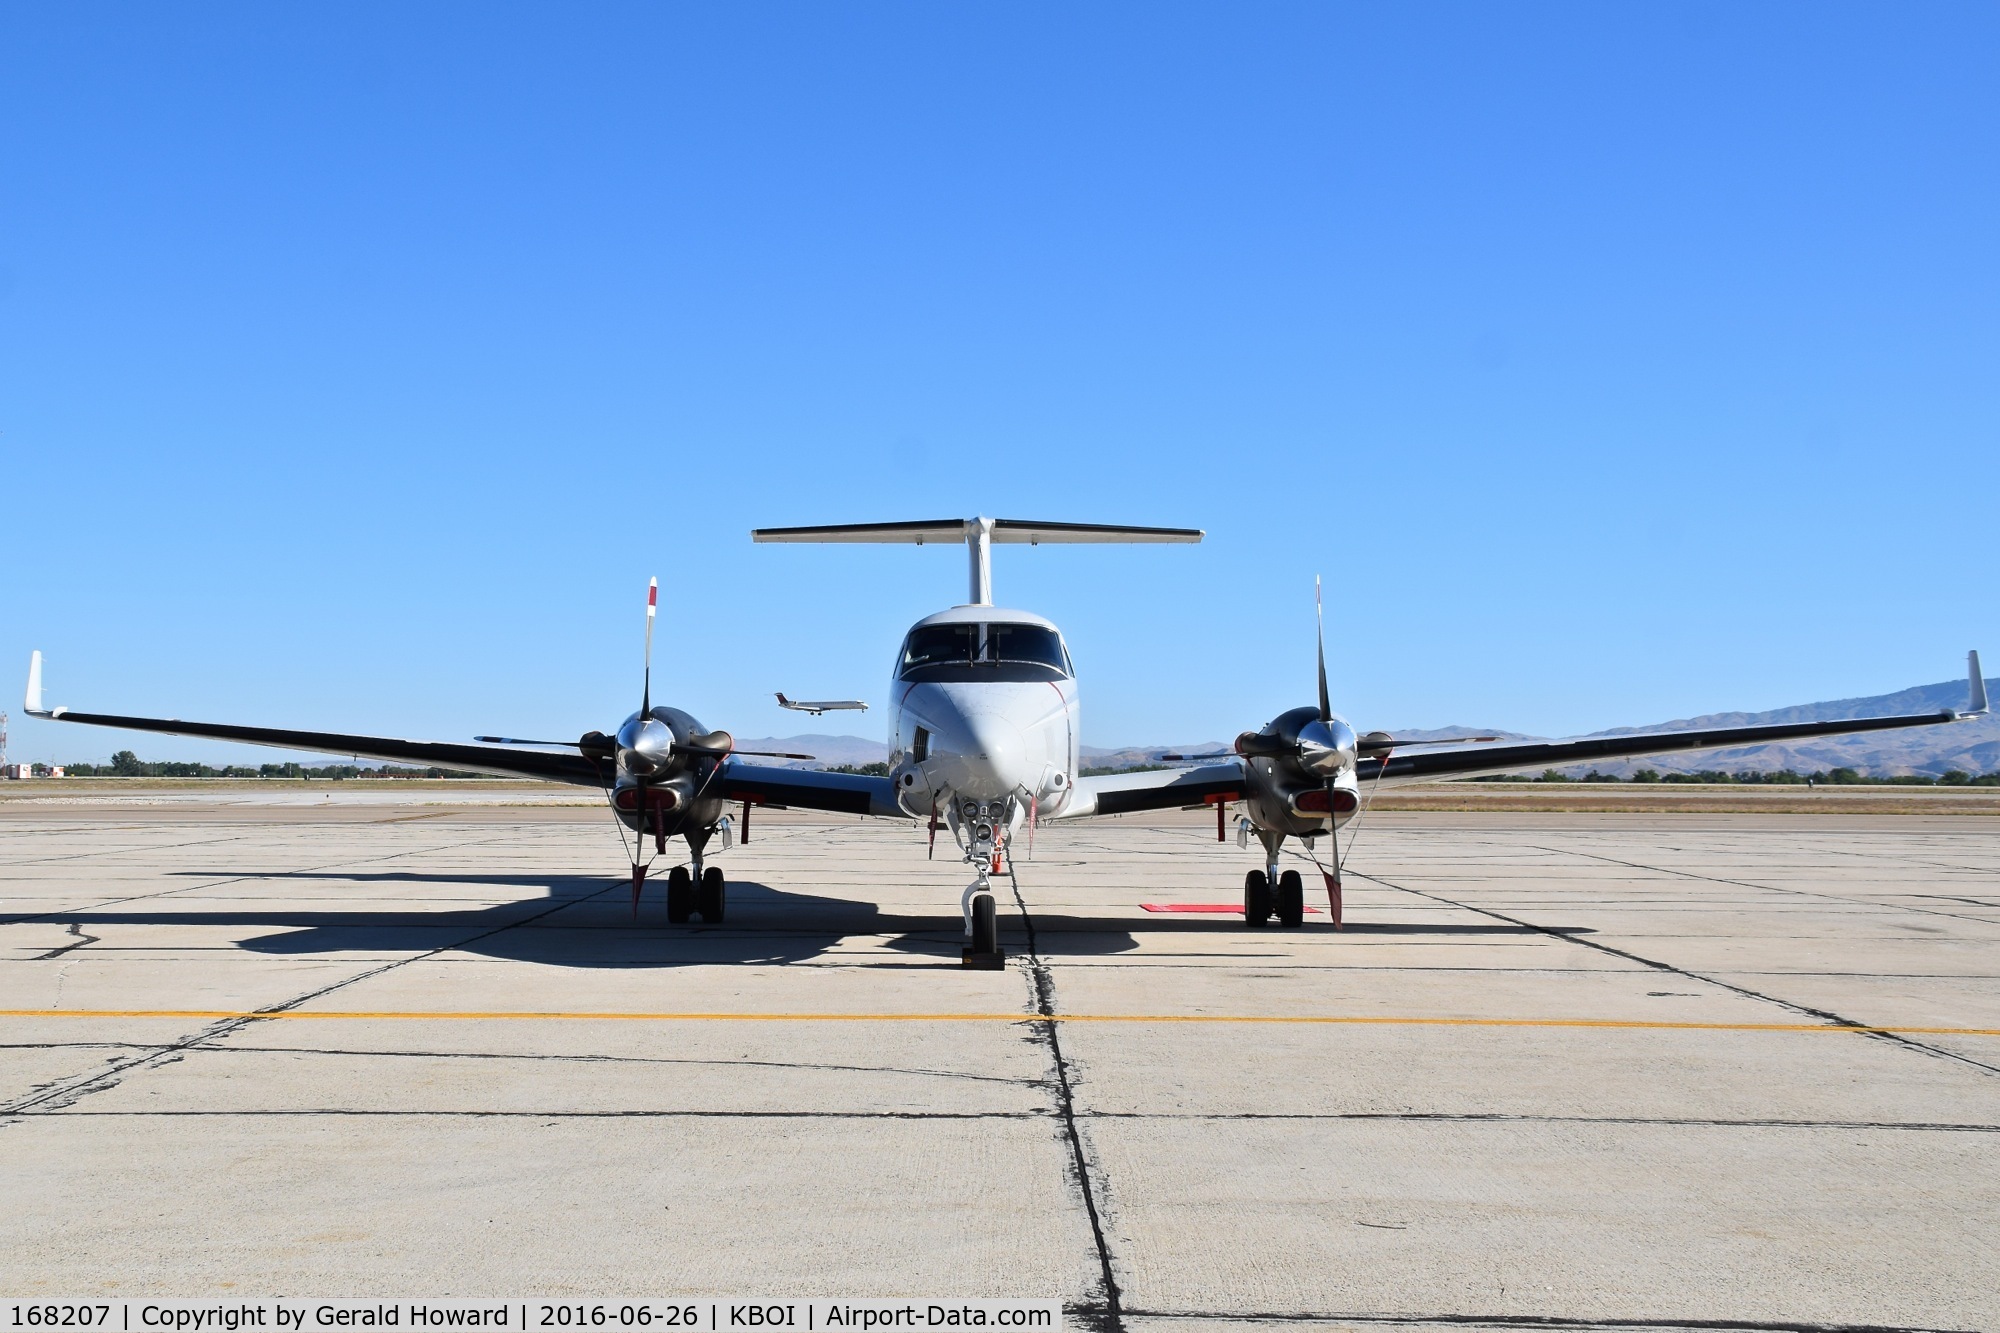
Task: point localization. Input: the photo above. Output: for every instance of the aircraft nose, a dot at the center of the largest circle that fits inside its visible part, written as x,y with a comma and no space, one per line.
983,756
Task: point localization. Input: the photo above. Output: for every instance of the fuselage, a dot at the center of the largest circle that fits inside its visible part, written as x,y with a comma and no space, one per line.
983,717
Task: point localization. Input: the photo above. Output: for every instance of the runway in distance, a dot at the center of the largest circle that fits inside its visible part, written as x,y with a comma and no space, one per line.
983,733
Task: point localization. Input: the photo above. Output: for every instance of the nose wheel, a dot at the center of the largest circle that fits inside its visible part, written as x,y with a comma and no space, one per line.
983,952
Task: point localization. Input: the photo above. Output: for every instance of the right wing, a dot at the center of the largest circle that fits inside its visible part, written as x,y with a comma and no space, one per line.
550,765
810,789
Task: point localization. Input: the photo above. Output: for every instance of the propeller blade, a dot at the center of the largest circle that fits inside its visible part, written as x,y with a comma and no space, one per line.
513,740
1333,848
1319,612
1258,745
772,754
1376,744
652,608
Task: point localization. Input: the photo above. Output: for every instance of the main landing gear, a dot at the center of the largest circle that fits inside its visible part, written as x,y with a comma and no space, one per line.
1262,900
1268,893
696,892
688,896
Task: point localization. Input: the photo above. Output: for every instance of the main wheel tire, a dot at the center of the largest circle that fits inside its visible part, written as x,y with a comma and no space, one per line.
708,901
985,925
1256,898
680,895
1291,899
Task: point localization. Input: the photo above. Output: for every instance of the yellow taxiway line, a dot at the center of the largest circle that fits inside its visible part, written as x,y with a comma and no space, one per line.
599,1016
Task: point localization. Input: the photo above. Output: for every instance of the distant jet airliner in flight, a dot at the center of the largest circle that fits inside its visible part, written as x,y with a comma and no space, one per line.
983,739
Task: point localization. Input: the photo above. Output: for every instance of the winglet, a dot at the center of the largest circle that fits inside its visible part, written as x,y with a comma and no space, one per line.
34,699
1976,704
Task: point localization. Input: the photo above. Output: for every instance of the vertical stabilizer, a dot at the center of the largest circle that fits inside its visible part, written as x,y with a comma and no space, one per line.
1976,704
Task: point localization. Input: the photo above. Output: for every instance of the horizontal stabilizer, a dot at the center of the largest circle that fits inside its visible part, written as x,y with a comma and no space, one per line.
979,536
935,530
1017,531
1022,532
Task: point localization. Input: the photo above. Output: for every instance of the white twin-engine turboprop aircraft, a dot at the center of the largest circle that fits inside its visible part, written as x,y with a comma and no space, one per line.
983,739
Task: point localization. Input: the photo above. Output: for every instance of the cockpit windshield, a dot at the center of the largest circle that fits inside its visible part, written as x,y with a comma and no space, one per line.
934,645
984,646
1025,643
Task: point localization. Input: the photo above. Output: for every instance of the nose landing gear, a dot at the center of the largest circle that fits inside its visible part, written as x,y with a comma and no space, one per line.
983,826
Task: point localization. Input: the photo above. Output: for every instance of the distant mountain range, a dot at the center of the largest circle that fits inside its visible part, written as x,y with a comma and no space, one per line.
1971,746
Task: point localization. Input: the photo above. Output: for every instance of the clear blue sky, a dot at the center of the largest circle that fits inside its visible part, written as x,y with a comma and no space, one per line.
358,363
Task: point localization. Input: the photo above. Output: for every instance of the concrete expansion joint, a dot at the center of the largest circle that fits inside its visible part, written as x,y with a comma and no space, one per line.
1106,1312
1831,1019
68,1092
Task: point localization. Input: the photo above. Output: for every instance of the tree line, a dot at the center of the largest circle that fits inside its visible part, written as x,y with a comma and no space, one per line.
126,764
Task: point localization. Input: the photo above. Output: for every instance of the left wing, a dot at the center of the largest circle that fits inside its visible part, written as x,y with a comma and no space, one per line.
1124,793
1428,765
1159,789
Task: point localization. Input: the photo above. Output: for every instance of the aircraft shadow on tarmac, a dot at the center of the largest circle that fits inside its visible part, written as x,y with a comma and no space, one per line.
587,921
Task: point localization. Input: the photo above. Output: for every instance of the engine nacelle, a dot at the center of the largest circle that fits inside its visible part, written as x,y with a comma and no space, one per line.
1301,772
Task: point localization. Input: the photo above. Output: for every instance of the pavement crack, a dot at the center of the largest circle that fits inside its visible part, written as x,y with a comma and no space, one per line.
1581,1324
1762,888
1824,1015
75,930
1106,1312
600,1059
483,1113
69,1091
1510,1118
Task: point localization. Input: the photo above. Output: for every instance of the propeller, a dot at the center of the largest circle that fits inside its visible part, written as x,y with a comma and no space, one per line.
1326,719
639,728
652,609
